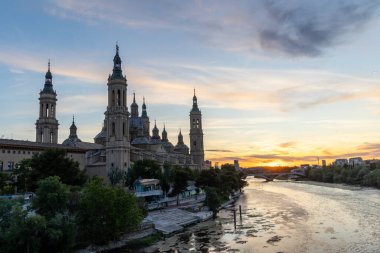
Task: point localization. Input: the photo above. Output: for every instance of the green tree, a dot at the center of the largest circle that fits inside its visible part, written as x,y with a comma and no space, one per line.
6,206
179,178
116,176
213,200
209,178
105,212
166,177
6,183
242,180
316,174
52,162
51,197
59,235
145,169
23,233
52,202
376,175
327,175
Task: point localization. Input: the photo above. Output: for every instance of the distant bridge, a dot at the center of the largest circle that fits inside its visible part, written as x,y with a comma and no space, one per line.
270,176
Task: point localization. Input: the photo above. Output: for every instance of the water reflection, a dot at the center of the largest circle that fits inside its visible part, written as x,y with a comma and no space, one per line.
287,217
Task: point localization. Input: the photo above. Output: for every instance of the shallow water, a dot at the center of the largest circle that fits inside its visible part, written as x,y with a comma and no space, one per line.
288,217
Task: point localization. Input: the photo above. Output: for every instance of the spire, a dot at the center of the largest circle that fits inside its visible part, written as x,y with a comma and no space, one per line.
73,129
117,72
134,107
155,131
73,137
195,103
144,113
48,87
180,137
164,134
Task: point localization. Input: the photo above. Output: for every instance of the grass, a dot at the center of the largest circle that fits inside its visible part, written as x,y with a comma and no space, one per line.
138,243
145,242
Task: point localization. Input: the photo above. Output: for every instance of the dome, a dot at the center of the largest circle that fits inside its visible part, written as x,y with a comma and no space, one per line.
168,146
73,137
140,141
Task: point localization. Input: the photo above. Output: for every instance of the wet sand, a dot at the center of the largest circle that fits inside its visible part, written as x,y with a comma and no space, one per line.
288,217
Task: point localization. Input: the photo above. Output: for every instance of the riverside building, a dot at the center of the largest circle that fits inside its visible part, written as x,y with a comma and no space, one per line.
124,138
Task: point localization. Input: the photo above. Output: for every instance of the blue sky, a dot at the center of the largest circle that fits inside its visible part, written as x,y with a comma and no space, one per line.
278,82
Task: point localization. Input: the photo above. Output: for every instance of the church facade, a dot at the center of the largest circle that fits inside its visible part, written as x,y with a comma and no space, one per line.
124,138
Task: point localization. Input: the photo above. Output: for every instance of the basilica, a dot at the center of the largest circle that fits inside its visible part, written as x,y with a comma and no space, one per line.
124,138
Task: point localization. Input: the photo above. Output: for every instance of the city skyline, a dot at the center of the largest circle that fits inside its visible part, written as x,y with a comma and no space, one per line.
277,84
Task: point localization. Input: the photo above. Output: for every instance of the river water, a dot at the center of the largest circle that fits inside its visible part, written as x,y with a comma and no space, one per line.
283,216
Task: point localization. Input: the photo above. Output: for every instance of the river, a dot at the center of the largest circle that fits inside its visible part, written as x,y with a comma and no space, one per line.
284,216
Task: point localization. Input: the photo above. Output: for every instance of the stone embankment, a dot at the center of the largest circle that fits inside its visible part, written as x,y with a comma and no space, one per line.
165,221
169,221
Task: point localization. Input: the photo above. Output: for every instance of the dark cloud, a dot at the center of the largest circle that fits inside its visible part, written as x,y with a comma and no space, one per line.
296,28
306,28
219,150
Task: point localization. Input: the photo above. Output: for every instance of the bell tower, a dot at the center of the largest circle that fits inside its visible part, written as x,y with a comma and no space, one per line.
196,134
117,138
47,124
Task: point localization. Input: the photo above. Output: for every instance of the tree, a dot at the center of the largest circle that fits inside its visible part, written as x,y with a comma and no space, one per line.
105,212
116,176
327,175
209,178
20,232
51,202
6,206
6,183
315,174
144,169
166,177
52,162
51,197
60,234
242,180
213,201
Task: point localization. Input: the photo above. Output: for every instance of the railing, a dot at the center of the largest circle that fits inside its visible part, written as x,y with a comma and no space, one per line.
149,193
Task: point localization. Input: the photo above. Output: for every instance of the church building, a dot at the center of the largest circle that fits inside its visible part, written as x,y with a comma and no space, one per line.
124,138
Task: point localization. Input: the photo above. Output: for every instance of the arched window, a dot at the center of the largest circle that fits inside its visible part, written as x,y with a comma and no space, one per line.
42,136
41,110
118,98
193,123
124,130
51,137
197,123
47,110
113,97
52,111
113,129
124,97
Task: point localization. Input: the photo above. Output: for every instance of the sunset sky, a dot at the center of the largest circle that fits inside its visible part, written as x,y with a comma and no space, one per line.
278,82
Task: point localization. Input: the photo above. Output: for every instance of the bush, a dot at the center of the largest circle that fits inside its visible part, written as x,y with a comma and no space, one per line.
105,212
51,197
52,162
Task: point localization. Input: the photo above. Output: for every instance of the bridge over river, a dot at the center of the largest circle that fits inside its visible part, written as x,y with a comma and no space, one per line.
270,176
